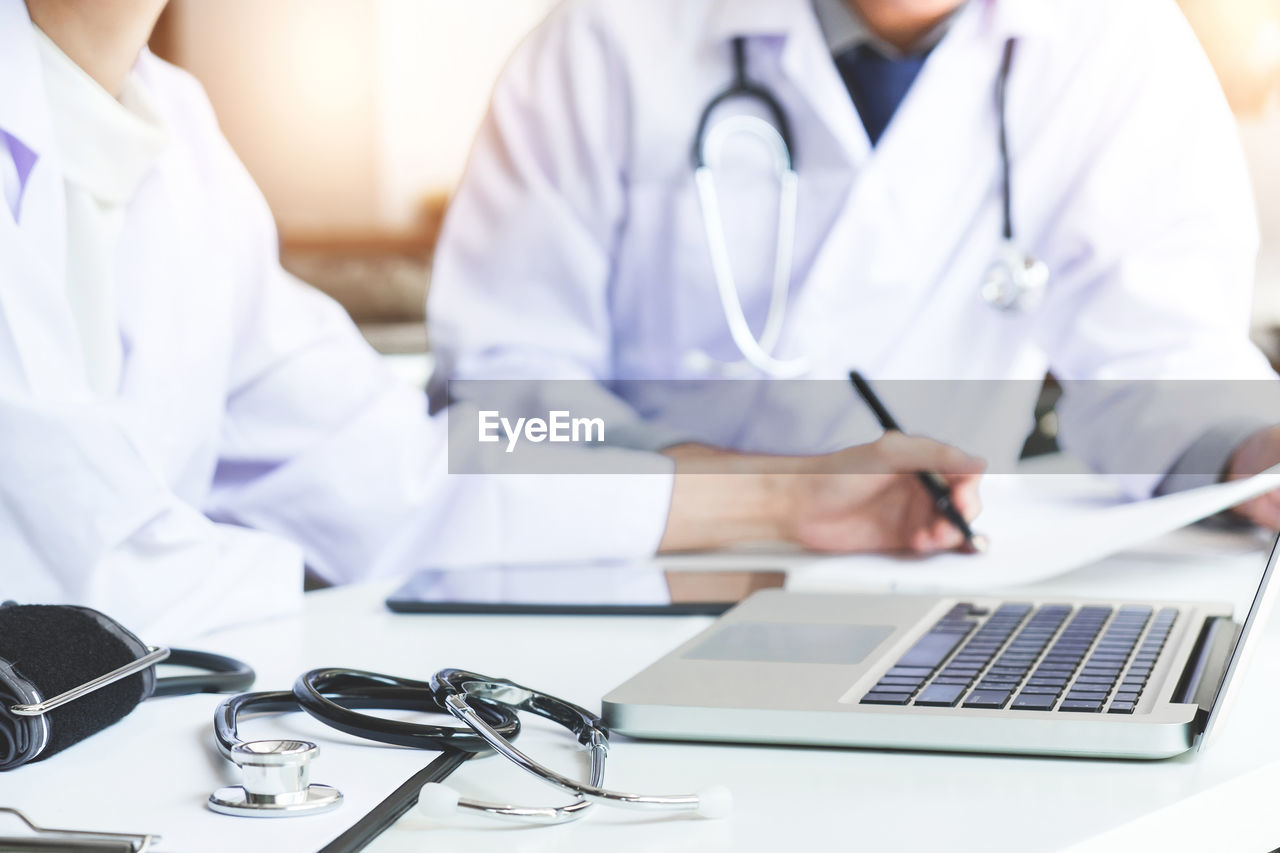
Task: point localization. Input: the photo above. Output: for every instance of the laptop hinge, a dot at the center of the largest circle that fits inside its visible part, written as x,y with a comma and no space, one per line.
1202,676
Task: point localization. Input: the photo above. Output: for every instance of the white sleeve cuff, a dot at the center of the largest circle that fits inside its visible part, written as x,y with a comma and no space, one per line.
565,518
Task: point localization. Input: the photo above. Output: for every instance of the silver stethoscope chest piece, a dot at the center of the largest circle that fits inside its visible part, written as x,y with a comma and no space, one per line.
276,775
1016,281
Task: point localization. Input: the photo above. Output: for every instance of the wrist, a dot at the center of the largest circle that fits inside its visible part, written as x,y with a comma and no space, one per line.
729,498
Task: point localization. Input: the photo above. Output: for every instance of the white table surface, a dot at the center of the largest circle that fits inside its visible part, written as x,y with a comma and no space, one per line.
153,771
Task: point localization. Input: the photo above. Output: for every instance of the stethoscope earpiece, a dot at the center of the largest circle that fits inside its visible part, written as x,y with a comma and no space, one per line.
437,801
715,803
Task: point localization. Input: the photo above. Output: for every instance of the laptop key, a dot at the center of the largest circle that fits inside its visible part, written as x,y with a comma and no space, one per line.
922,671
882,687
880,698
1120,708
1127,695
1087,696
968,674
1080,705
930,650
987,699
997,686
1033,702
941,695
1042,689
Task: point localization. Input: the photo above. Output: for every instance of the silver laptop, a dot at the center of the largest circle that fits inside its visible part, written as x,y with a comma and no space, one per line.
1046,676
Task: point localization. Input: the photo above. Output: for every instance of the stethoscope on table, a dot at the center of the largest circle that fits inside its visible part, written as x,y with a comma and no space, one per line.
276,775
1016,280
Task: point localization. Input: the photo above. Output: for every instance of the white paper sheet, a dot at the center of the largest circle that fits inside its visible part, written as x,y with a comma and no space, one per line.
1038,527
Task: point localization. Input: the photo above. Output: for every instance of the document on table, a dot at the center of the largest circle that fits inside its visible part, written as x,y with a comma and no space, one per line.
1038,526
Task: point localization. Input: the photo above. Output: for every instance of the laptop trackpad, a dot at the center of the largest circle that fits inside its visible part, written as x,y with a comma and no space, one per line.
791,643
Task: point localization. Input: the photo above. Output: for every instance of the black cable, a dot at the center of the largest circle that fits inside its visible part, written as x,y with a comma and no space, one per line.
399,801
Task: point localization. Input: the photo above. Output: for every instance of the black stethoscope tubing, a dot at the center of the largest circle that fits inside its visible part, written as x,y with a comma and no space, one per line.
335,697
317,692
743,88
1006,169
224,675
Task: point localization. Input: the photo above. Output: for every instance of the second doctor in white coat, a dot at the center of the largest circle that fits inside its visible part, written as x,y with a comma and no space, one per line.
577,234
183,426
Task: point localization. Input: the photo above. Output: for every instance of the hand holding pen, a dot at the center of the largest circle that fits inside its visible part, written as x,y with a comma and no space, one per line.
934,483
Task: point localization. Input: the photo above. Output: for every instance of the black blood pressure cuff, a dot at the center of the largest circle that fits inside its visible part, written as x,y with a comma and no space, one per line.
46,650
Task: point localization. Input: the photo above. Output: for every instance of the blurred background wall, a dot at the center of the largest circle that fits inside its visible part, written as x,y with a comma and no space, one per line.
355,117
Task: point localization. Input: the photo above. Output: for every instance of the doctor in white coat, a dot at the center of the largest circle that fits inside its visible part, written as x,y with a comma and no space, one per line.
183,426
577,248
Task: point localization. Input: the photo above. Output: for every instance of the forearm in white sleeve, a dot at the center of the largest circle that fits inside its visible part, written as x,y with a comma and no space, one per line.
84,520
375,497
325,447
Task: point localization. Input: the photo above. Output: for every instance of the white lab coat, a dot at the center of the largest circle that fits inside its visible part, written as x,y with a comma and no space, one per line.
575,249
253,429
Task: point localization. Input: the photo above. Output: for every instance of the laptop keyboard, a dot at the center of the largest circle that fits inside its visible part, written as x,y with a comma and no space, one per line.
1057,657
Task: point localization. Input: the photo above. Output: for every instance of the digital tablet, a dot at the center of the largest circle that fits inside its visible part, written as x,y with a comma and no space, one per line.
588,590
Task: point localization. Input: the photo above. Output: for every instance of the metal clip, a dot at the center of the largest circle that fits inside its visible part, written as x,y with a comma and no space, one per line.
73,840
154,655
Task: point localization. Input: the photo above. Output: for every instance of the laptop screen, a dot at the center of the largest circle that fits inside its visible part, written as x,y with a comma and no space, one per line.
1246,644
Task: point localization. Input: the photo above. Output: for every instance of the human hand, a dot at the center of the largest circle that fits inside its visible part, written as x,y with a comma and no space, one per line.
1256,454
864,498
868,498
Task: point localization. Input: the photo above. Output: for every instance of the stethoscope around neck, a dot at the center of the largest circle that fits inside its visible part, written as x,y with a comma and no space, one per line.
709,144
1015,282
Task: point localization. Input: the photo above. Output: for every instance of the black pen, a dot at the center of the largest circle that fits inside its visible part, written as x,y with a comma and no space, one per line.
933,482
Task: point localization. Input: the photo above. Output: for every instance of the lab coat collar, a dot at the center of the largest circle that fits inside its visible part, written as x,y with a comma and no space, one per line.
24,110
1007,19
106,145
805,60
732,18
